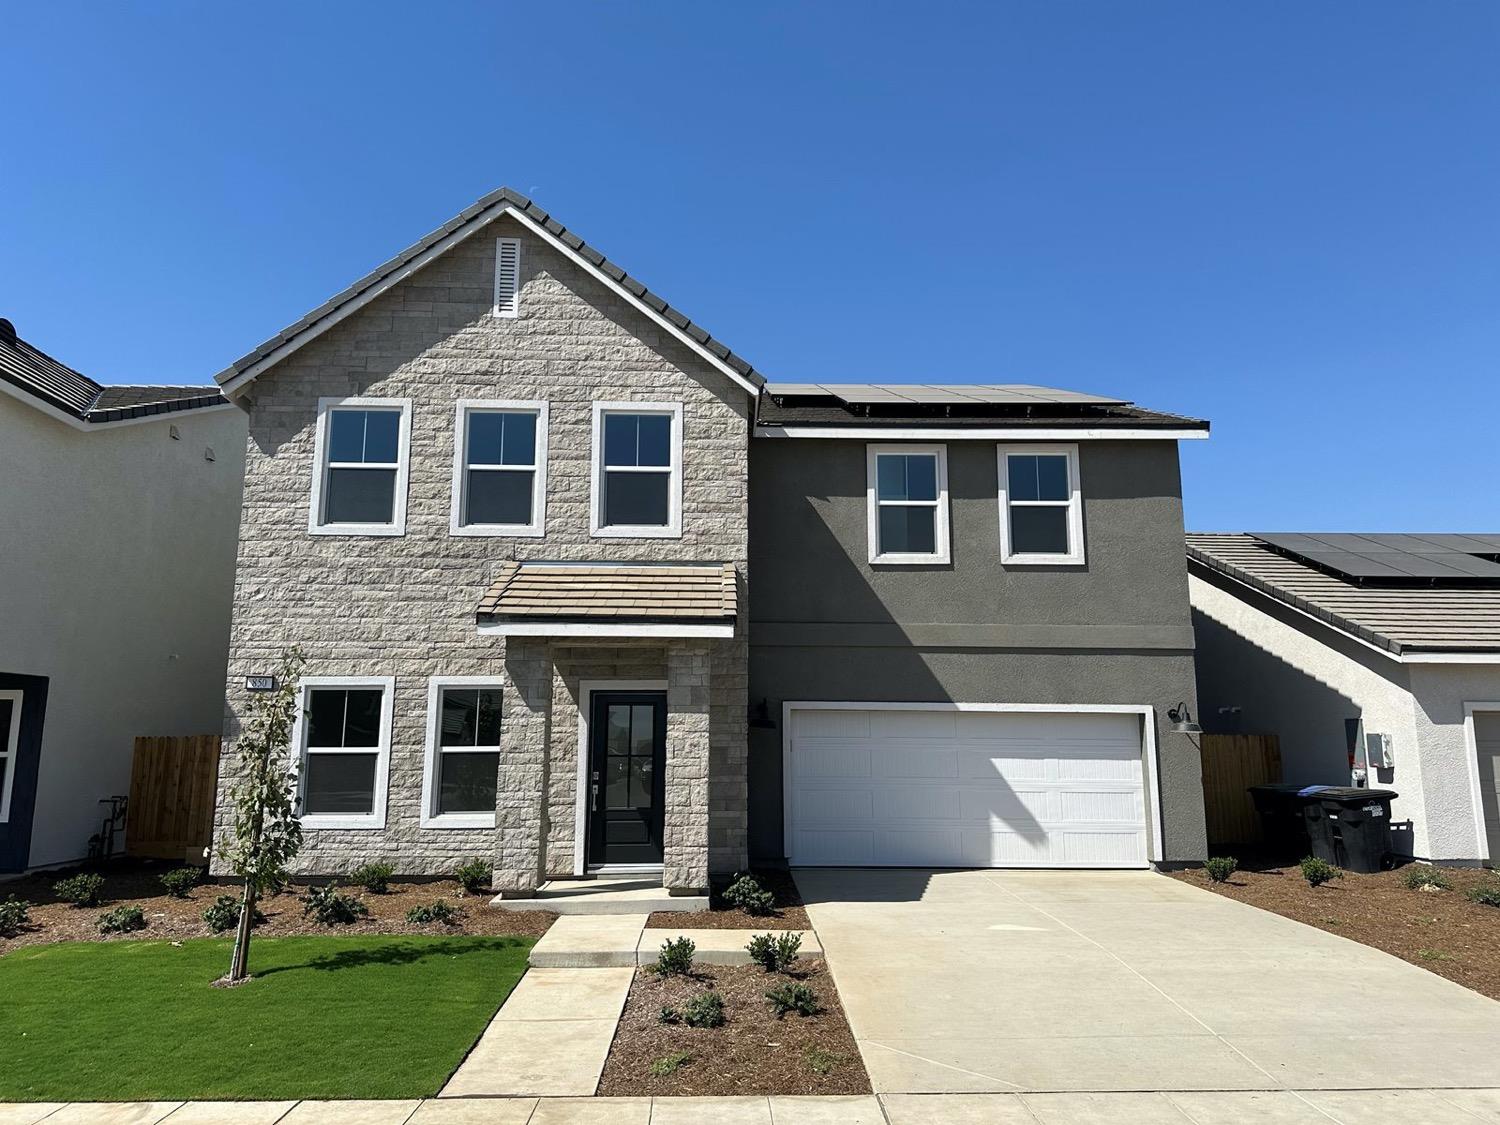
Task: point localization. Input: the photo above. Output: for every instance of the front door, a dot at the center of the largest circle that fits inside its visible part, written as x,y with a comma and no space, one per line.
23,703
627,764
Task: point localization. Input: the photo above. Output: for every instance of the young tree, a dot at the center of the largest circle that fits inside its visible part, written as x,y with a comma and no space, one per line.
267,833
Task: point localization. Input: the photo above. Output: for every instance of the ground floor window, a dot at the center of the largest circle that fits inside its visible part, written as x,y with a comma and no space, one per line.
463,752
344,737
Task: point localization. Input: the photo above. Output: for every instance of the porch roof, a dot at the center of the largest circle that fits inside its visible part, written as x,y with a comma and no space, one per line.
540,599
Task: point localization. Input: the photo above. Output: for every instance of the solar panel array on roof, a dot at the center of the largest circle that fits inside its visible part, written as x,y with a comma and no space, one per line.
988,394
1397,559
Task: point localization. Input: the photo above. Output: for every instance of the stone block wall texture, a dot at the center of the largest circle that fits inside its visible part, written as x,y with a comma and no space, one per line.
404,606
686,832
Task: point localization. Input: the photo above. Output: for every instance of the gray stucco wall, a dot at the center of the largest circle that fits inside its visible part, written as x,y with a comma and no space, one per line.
1116,630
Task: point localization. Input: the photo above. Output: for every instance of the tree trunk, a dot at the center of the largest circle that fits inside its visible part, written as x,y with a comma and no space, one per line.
239,964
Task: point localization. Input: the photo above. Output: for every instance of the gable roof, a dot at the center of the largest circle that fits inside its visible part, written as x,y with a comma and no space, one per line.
1403,621
480,214
30,374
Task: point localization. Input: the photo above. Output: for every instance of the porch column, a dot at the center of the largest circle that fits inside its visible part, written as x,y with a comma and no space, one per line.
685,833
519,792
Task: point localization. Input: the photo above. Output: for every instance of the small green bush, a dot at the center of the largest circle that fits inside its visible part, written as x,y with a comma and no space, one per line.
438,911
224,914
328,906
179,881
792,997
669,1063
668,1014
747,894
373,877
14,913
820,1061
80,890
1419,877
122,920
1485,894
474,876
1221,867
775,954
675,958
1319,871
704,1010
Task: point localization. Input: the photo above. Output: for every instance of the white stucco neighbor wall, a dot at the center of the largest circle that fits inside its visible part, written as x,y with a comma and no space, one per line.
1455,820
117,550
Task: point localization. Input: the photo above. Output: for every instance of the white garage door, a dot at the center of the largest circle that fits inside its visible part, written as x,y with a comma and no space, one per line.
915,788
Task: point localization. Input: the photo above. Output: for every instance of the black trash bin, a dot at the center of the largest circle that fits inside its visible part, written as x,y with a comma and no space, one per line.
1280,806
1351,827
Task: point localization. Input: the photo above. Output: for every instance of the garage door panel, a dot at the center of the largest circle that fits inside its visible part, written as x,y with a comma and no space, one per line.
997,764
837,806
920,803
832,724
835,760
912,761
1100,849
1007,805
836,849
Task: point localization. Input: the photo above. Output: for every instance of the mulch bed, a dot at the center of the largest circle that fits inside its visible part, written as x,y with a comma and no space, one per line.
135,883
754,1053
789,913
1441,931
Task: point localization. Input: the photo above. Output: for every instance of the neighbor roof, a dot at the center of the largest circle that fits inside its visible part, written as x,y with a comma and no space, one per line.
612,593
1399,619
466,222
33,375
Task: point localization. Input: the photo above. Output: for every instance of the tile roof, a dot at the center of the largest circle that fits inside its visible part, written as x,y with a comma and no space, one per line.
1399,619
612,593
43,378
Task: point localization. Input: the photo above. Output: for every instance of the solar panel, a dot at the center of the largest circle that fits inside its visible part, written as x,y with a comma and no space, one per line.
1424,559
960,393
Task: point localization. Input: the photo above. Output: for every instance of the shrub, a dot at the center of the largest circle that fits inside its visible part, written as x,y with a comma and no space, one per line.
1419,877
14,913
676,957
668,1014
373,877
775,954
747,893
820,1061
122,920
474,876
1485,894
329,907
792,997
669,1063
1319,871
704,1010
224,914
179,881
80,890
438,911
1221,867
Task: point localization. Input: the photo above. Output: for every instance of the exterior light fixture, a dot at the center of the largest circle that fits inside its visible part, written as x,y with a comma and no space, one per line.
760,716
1182,720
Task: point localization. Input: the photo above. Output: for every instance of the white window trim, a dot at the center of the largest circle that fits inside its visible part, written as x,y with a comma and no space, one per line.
315,524
515,305
536,529
943,552
432,758
673,528
1075,556
376,817
12,749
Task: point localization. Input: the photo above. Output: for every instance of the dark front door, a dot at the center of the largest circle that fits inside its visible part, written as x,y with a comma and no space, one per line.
627,764
23,703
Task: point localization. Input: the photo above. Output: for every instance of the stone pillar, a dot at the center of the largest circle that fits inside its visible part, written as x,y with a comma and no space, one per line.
520,794
685,842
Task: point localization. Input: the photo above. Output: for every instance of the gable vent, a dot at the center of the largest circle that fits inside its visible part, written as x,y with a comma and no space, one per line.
507,276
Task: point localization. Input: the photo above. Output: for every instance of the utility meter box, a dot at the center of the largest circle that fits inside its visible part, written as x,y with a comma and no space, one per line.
1378,751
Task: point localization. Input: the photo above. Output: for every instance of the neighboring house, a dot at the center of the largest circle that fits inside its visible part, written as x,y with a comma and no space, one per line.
119,505
499,494
1377,653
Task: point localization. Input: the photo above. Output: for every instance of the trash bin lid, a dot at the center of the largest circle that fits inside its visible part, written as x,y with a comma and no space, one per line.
1353,795
1274,787
1312,790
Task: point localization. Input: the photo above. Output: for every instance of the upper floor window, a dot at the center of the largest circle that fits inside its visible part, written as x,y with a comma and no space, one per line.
361,451
1041,507
908,503
637,489
344,741
499,468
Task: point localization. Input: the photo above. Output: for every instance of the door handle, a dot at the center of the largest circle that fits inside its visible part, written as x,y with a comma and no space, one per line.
594,797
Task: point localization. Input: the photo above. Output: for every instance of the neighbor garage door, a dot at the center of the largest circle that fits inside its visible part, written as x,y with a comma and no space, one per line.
943,788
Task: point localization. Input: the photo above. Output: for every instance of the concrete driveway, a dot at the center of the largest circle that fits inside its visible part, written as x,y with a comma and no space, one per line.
992,981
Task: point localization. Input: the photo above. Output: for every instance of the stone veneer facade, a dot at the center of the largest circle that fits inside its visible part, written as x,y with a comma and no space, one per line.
404,606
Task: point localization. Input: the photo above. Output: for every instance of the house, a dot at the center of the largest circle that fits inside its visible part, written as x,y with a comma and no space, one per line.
514,508
1372,656
120,507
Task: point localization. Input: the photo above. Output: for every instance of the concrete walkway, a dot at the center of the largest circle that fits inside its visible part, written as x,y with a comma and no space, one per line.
1014,981
596,941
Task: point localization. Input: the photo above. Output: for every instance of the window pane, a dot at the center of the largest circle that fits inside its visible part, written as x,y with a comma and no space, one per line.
382,436
908,530
498,496
655,440
637,499
489,717
520,440
620,431
1039,531
339,783
360,496
1022,478
617,783
641,774
467,783
325,716
346,435
460,717
502,439
902,476
642,729
1052,477
617,729
362,718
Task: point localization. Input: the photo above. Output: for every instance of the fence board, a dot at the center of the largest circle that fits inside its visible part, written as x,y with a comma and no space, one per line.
172,785
1231,764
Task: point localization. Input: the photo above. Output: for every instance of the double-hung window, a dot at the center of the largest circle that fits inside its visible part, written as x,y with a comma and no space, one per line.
1041,507
463,752
362,451
499,468
637,489
344,740
908,503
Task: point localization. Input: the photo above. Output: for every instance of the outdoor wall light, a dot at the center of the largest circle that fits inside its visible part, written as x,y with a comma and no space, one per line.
760,716
1182,720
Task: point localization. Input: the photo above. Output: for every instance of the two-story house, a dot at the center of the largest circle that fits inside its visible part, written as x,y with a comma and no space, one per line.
506,501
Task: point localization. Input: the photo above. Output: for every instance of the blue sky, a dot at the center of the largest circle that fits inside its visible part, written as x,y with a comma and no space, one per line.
1284,217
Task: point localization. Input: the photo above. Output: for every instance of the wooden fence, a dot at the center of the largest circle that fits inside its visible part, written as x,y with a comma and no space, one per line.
1231,764
172,784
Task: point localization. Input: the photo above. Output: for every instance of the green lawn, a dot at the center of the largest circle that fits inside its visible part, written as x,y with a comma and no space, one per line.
326,1017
